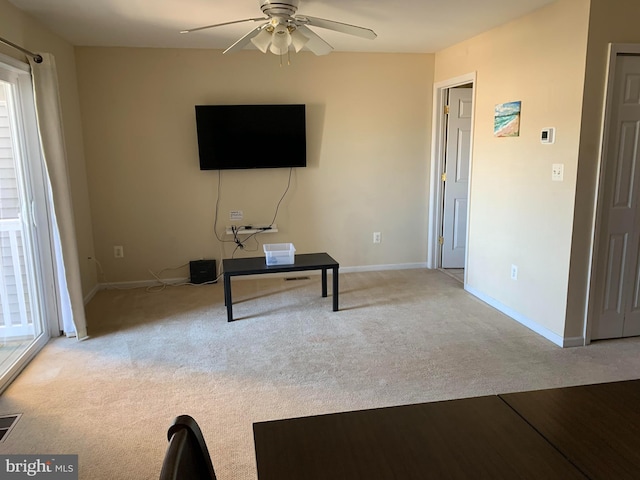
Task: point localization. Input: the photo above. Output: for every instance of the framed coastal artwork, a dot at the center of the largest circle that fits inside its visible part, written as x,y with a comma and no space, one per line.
506,121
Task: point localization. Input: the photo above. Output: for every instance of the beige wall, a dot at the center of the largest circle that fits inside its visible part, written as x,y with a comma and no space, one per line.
368,124
612,21
518,215
23,30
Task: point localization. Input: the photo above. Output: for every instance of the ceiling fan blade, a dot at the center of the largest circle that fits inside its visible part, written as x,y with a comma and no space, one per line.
225,23
337,26
244,41
315,44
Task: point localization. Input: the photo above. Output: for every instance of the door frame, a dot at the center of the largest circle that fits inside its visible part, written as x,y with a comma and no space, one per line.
615,49
438,148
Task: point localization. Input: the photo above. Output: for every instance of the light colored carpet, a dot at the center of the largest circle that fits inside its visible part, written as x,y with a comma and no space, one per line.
401,337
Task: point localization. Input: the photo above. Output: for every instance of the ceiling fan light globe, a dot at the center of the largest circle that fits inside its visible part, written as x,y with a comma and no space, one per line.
280,40
277,50
262,41
298,40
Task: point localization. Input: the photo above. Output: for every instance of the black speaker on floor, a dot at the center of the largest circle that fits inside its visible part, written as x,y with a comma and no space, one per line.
202,271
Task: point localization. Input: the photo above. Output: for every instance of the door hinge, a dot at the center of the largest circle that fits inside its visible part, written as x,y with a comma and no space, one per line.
446,109
443,177
441,240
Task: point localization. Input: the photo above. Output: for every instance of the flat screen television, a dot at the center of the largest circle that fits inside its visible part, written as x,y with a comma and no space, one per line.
251,136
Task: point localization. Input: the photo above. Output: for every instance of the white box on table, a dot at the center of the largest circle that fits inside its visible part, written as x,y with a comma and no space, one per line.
279,253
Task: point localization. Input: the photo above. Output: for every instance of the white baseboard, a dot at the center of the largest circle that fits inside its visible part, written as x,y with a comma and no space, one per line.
92,293
377,268
530,324
574,342
144,283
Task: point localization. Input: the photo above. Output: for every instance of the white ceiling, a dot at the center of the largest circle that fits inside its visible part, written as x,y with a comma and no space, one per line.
413,26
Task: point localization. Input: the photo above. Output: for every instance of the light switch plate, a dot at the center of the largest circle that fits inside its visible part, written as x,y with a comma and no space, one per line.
557,172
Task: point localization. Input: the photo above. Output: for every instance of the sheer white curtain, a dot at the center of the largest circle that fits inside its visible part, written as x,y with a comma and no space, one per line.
45,84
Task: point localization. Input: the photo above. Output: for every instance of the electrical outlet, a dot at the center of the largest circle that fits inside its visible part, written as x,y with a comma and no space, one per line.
514,272
376,237
557,172
118,251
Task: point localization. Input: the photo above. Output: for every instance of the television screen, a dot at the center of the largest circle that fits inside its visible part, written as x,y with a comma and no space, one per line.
251,136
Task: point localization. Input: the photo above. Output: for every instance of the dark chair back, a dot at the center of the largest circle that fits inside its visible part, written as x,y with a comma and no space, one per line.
187,457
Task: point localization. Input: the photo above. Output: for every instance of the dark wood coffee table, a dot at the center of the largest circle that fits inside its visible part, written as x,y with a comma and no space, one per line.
233,267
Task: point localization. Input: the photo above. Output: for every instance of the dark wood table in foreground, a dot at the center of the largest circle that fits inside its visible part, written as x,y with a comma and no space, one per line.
597,427
233,267
476,438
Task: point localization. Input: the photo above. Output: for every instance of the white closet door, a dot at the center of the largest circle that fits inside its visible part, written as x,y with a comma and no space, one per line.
618,271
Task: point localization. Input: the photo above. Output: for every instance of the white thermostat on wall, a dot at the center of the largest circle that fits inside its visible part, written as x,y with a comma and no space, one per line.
548,135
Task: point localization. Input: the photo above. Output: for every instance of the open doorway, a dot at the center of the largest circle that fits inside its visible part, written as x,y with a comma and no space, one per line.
450,173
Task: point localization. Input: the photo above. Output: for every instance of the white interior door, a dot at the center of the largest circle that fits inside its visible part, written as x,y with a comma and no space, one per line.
456,183
618,269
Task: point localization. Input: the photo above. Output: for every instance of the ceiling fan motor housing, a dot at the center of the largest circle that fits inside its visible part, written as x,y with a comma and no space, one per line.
279,9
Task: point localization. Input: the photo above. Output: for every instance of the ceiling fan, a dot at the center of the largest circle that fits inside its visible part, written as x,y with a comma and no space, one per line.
283,29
